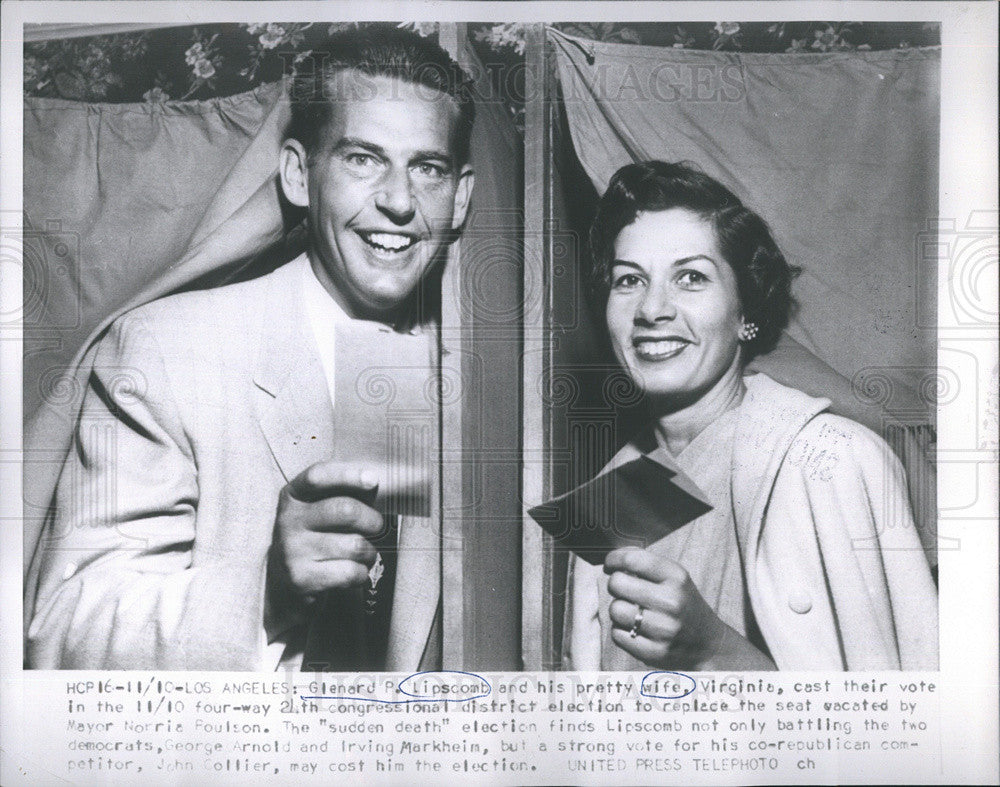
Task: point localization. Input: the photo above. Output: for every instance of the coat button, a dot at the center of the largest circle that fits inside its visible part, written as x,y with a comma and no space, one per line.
800,602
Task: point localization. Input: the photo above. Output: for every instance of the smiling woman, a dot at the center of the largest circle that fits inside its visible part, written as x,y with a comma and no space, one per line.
695,286
673,309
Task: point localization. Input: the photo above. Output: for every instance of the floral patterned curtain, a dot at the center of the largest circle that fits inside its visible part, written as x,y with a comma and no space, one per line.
206,61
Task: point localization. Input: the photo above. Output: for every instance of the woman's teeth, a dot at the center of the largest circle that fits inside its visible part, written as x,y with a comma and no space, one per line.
659,349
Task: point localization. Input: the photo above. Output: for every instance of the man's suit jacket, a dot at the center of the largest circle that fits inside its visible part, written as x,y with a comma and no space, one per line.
200,407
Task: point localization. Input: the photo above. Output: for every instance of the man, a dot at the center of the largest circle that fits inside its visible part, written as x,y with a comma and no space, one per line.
200,522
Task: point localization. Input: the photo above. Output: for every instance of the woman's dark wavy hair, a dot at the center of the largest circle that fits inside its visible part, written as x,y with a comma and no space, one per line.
378,50
763,276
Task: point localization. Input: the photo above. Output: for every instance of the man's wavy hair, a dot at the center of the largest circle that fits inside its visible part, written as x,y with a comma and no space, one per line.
378,50
763,276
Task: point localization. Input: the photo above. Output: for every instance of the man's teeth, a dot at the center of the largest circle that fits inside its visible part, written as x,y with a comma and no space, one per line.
664,347
388,241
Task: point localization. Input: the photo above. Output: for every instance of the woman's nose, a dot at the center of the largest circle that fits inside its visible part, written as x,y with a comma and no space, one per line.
395,196
656,305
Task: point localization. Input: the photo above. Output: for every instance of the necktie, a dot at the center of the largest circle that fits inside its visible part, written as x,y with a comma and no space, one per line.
349,631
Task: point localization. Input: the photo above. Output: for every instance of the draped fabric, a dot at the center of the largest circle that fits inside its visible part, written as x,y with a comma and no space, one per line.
839,153
126,203
119,194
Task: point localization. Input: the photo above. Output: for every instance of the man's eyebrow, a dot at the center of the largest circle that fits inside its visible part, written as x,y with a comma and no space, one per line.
424,155
441,156
420,155
354,142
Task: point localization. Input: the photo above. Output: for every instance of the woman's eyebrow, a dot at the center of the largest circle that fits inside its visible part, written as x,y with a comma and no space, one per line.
693,258
676,263
627,264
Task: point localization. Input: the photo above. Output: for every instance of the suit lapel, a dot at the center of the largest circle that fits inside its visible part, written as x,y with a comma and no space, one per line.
295,412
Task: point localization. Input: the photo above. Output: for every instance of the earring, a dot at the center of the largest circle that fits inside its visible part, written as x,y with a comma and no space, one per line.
748,332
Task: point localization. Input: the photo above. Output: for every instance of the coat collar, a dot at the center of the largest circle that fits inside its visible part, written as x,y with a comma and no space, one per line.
770,417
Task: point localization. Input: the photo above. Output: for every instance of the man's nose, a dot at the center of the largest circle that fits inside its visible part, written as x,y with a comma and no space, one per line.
395,196
657,304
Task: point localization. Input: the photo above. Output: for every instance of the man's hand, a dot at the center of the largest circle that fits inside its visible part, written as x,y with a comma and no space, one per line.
322,528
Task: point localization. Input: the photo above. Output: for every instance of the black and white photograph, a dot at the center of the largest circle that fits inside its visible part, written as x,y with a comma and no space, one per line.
614,388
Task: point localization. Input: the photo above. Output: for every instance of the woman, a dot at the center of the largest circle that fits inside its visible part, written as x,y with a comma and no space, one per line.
809,558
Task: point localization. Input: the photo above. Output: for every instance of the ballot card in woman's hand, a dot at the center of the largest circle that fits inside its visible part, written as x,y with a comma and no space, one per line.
384,412
634,504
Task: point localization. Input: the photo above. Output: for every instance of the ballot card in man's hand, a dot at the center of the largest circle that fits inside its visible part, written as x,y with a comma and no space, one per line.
384,412
634,504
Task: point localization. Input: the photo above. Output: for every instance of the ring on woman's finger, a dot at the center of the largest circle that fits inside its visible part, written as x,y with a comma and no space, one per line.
636,623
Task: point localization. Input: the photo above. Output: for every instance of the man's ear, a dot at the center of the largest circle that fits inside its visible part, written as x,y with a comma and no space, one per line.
463,195
293,170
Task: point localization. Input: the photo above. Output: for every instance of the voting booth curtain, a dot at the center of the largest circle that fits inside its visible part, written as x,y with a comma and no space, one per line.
839,153
125,203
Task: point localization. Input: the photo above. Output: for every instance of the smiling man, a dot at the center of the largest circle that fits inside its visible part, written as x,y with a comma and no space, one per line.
201,522
383,173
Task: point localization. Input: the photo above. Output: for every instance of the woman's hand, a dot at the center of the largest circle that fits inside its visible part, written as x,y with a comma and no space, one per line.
678,629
